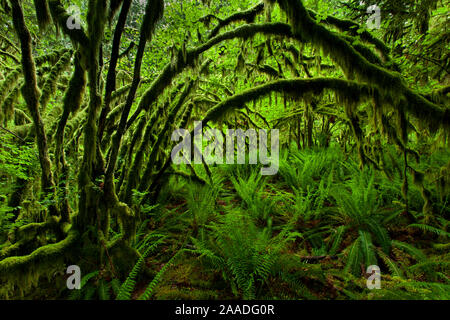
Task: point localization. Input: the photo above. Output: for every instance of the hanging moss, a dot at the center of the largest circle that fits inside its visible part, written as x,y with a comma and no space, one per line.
51,58
76,121
128,148
365,51
60,18
153,13
9,83
353,28
444,180
10,43
240,64
133,178
50,85
144,184
170,71
7,107
75,92
42,14
71,103
270,71
356,66
9,55
418,180
120,93
247,16
114,5
48,253
291,66
21,118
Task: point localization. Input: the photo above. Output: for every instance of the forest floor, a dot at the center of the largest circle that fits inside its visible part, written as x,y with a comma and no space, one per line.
309,232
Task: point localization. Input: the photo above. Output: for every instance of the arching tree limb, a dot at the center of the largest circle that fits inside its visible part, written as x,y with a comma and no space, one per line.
170,71
247,15
354,65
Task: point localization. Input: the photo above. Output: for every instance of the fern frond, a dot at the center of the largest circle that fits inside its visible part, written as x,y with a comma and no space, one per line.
128,286
413,251
151,287
393,268
367,248
354,258
103,290
337,239
431,229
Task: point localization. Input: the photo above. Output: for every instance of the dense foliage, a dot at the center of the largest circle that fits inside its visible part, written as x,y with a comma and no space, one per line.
91,91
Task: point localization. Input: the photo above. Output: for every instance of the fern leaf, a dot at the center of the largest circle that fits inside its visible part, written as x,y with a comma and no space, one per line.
431,229
151,287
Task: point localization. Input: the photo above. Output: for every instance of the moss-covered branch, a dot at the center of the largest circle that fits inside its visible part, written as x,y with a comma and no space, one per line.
42,255
352,28
49,87
170,71
71,103
42,13
247,16
9,55
31,94
60,17
295,87
355,65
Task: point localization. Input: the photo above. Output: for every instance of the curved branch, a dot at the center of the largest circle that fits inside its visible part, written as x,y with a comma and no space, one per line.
60,17
296,87
40,255
248,16
352,27
31,94
171,70
353,64
13,57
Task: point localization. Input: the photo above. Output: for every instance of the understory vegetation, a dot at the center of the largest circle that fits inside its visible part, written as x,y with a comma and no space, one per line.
92,90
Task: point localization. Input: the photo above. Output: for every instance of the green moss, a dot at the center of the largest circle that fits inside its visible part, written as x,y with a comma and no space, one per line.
43,254
7,107
153,13
144,183
9,83
50,85
355,66
42,14
60,18
247,16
